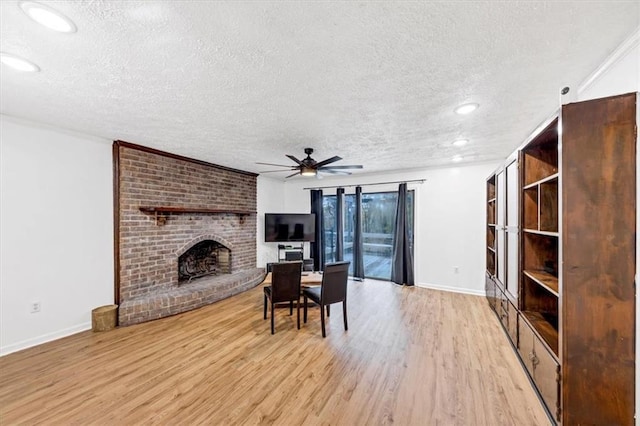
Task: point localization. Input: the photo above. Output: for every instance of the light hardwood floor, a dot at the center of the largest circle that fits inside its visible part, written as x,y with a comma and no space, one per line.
412,356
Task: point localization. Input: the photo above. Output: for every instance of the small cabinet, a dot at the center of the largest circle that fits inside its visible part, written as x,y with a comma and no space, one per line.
542,366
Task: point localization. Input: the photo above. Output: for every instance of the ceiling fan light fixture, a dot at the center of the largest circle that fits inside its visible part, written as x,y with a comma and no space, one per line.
466,108
308,171
18,63
48,17
460,142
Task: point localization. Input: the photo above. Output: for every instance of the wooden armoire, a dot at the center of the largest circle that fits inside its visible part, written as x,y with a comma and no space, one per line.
561,259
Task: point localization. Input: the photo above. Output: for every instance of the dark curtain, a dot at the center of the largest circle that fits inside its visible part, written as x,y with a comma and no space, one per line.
339,224
317,247
402,261
358,246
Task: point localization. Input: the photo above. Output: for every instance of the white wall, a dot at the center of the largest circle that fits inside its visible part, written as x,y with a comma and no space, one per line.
450,220
56,228
270,200
619,74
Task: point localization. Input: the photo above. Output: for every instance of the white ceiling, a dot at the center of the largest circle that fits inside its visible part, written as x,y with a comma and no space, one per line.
374,82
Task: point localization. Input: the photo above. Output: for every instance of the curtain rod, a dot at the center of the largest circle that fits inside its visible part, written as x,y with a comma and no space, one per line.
367,184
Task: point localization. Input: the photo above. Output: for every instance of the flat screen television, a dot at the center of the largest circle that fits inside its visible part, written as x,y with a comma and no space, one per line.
288,227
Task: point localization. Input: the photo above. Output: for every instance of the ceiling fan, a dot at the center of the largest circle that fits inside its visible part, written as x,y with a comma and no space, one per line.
311,167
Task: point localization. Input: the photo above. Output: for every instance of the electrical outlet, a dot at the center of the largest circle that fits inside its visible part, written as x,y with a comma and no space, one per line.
35,307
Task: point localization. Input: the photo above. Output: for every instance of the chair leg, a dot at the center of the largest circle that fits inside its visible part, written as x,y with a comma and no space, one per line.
324,333
290,307
265,306
298,312
344,314
273,328
328,310
305,309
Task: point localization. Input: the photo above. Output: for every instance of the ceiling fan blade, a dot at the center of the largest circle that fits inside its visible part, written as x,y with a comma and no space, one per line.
328,161
295,159
354,166
271,164
334,172
292,175
276,171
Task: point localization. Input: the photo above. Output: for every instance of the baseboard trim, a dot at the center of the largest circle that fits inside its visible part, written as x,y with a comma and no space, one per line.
470,291
24,344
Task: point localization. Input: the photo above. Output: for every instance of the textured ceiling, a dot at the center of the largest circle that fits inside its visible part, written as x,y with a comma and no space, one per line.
374,82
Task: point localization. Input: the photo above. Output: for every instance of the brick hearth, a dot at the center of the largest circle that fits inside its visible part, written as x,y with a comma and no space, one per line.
148,249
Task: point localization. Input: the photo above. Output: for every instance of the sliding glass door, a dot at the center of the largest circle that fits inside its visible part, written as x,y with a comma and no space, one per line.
378,219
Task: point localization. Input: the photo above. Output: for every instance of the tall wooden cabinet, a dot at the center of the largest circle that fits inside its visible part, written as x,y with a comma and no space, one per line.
574,298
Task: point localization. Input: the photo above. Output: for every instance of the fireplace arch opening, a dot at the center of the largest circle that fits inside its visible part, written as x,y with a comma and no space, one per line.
203,259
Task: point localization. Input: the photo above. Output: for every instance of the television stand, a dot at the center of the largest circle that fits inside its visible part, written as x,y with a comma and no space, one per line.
290,250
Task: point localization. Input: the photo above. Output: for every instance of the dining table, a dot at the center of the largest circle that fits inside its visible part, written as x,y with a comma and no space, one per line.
308,279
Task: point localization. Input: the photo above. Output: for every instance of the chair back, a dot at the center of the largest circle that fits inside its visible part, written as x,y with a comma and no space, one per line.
285,281
334,282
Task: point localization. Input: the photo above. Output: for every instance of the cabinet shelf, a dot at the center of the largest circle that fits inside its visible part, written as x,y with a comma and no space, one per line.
546,327
545,233
491,249
543,180
545,280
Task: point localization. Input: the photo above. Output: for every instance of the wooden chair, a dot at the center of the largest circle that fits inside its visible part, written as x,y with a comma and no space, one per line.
285,287
332,290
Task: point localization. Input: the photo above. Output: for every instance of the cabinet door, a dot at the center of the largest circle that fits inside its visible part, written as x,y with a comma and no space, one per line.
525,345
502,308
500,228
512,229
513,324
546,377
541,365
490,290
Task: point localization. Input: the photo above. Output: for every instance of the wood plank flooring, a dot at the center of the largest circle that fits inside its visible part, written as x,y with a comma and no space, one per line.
412,356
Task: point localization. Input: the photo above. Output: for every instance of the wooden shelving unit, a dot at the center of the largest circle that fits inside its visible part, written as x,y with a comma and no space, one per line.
570,324
539,243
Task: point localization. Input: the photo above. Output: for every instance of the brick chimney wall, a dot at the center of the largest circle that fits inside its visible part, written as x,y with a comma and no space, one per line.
148,251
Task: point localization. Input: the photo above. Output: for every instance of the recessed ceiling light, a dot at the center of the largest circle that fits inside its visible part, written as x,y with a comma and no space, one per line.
460,142
466,108
47,16
457,158
18,63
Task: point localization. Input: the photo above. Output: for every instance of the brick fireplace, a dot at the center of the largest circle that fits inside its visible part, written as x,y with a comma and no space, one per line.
185,233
